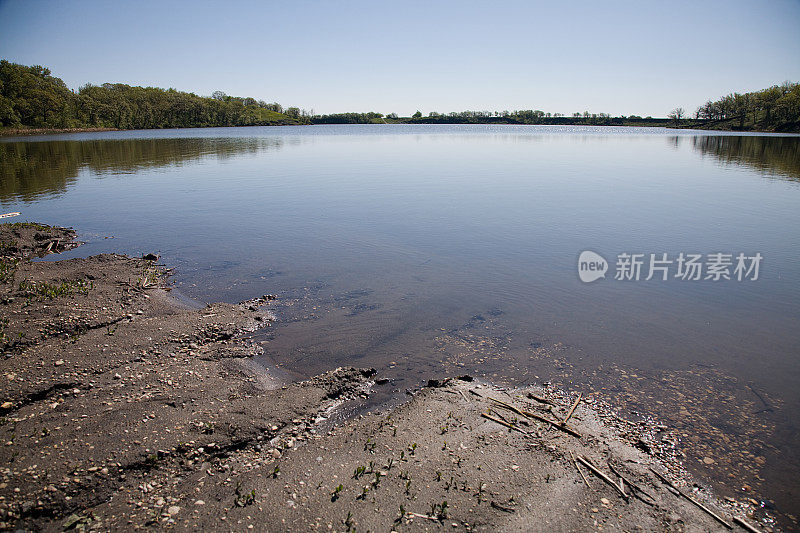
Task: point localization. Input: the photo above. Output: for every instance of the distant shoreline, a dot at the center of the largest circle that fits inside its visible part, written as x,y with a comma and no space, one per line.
16,132
715,125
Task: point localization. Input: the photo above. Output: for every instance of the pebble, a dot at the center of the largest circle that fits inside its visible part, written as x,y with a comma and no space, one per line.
59,362
199,502
174,510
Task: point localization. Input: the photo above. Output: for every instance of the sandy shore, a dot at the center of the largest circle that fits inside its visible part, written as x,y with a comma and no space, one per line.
123,409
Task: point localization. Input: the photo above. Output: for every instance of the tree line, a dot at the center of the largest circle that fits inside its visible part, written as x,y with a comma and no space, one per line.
776,108
31,97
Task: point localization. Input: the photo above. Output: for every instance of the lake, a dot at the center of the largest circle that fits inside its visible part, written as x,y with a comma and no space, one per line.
426,251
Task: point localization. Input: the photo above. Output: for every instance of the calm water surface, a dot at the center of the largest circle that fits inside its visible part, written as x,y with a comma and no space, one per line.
427,250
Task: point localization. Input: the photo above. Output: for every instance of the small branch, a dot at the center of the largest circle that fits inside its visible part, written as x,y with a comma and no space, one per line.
714,515
578,468
745,525
502,423
539,399
528,414
572,409
434,518
603,476
635,489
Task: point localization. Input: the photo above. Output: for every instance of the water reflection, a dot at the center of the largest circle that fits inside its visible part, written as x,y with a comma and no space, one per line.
31,170
775,155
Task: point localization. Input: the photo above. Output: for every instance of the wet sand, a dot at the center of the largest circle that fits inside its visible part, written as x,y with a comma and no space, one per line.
123,408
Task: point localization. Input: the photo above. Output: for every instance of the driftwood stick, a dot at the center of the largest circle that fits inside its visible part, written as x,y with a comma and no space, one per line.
510,407
417,515
475,393
503,423
556,425
515,421
745,525
464,395
714,515
572,409
539,399
578,468
528,414
602,476
635,489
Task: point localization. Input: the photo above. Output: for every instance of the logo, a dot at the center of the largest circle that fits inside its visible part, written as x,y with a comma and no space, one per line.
591,266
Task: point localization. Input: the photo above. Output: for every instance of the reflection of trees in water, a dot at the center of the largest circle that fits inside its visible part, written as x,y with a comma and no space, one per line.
778,155
29,170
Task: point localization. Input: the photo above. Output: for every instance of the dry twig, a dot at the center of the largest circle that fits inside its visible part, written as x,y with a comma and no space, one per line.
603,476
714,515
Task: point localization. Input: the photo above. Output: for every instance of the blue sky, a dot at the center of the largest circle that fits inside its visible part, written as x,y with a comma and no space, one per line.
616,57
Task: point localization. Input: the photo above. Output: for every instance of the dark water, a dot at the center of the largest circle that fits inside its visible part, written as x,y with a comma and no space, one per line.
427,250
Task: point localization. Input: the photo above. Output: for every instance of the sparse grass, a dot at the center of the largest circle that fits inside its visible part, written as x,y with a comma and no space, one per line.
33,225
243,499
439,510
348,521
336,491
369,446
50,291
3,329
148,278
8,267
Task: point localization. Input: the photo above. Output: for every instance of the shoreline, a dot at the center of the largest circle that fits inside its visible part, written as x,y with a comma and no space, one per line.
32,132
124,409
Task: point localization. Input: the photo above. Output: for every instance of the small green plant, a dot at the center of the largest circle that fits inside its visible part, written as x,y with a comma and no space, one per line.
275,472
389,463
413,448
438,475
335,494
408,487
359,471
401,515
364,492
110,330
439,510
369,446
348,521
243,499
481,490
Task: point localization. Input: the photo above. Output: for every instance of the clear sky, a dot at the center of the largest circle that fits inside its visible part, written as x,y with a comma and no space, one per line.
618,57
